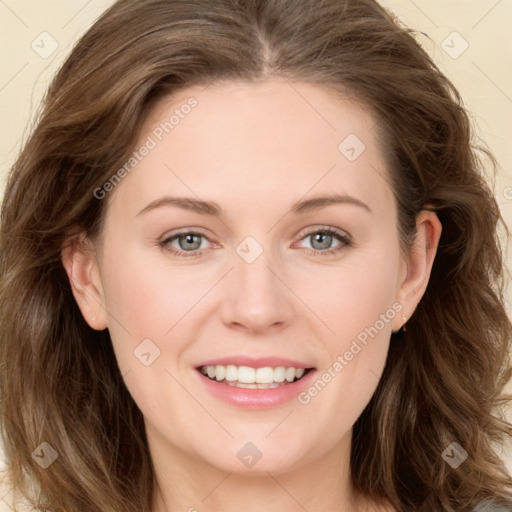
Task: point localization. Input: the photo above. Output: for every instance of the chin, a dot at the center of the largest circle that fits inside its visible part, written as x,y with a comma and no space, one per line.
248,459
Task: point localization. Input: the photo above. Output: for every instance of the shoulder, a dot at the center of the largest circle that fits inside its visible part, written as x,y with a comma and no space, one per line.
487,505
490,505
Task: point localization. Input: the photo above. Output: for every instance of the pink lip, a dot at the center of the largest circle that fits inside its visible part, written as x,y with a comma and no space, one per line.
257,398
259,362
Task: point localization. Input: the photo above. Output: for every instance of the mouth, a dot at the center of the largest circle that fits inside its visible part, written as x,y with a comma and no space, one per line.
247,377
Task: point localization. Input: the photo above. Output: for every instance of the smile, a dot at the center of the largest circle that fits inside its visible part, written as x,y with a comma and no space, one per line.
254,387
253,378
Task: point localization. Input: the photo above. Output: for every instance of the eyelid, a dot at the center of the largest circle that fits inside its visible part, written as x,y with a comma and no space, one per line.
319,228
186,231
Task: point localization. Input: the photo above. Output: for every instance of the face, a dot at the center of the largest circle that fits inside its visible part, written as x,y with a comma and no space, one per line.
265,275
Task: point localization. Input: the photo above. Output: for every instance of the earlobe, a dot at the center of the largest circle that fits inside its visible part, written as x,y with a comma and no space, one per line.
419,264
79,261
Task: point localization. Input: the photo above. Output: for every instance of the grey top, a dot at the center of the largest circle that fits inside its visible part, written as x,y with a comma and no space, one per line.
489,505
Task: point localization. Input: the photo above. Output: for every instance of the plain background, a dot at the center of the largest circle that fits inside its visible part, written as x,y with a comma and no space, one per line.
468,39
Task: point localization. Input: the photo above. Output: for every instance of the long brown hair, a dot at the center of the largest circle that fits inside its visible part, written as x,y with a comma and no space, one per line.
444,376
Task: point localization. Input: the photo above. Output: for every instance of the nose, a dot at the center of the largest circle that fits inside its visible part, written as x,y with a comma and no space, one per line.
256,296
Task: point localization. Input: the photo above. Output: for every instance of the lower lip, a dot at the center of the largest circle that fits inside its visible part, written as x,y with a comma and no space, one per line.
256,398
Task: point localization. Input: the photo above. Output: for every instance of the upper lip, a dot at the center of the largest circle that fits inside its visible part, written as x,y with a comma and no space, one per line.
255,362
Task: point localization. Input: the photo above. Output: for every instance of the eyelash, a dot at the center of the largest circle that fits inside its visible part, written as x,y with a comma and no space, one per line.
346,242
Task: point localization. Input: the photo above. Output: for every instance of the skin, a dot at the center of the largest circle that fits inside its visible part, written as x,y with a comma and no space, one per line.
255,149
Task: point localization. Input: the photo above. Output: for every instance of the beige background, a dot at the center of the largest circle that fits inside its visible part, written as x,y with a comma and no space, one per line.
36,36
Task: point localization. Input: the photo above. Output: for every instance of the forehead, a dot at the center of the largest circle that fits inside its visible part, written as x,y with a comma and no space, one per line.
258,142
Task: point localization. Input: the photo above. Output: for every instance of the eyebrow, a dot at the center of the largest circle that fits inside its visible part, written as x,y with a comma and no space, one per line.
213,209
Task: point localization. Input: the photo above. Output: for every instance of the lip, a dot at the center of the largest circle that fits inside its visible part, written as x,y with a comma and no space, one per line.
245,398
259,362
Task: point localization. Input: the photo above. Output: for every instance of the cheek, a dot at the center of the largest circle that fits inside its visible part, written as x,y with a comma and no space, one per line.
144,294
356,303
144,301
352,295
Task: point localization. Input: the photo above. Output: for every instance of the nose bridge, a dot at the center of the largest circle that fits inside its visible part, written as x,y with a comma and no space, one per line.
256,298
252,269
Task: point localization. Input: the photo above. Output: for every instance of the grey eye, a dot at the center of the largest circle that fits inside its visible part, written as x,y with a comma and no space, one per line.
324,240
189,241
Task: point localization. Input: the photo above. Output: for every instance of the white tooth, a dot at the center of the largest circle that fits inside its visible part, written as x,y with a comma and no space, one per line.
249,375
246,374
263,386
279,374
246,385
231,373
265,375
290,374
253,386
220,372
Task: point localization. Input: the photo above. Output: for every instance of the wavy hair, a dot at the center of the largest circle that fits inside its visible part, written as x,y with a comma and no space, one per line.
444,376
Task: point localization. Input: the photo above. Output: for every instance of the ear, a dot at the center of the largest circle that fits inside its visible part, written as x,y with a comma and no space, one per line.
79,260
418,265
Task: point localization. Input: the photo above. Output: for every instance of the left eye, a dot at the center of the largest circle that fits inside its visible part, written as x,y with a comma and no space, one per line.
186,241
321,240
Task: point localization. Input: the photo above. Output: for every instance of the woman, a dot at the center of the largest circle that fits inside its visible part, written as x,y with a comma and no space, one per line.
249,261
